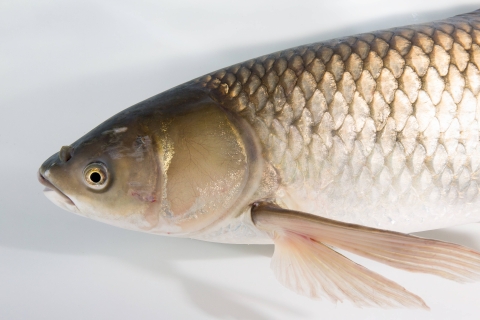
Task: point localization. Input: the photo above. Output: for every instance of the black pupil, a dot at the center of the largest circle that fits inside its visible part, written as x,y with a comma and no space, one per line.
95,177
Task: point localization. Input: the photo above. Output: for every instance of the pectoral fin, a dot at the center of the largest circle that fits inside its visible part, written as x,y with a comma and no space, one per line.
304,262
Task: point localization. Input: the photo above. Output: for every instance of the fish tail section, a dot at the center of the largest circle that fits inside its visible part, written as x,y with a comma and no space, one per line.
305,262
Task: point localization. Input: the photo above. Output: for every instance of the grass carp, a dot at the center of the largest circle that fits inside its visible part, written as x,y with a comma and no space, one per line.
351,143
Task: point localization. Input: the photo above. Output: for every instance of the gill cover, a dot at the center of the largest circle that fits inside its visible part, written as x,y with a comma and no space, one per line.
209,166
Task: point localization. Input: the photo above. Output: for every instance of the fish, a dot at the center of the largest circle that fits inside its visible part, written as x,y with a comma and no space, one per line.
348,144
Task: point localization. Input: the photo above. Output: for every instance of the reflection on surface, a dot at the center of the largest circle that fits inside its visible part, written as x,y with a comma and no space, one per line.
39,226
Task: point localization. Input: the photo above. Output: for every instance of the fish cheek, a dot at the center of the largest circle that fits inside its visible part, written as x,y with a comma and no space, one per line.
129,200
139,179
207,170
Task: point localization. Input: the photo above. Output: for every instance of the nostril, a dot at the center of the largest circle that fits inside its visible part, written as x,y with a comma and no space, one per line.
65,153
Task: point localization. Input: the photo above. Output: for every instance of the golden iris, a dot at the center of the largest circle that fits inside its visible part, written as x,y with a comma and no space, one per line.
95,175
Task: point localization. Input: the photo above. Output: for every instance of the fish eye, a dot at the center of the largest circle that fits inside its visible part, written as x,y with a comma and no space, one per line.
96,175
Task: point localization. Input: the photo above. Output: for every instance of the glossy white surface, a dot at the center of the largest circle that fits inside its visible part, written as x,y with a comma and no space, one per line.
66,66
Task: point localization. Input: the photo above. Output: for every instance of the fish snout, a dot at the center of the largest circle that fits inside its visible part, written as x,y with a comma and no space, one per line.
51,191
59,158
49,163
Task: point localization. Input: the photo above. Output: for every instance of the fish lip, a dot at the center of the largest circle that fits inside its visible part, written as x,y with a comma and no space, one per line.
50,187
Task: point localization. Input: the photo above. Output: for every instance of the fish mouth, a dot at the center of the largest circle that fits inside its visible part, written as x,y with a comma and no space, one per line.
55,195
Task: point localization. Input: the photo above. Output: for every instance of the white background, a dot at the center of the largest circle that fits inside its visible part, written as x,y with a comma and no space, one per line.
66,66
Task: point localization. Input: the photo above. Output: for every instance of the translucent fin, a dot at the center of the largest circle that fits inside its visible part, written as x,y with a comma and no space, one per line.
403,251
312,269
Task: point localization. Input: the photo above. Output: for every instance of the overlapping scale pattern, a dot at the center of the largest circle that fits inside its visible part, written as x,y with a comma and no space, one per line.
387,120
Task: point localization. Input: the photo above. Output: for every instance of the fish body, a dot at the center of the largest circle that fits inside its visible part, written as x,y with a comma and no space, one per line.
338,144
379,129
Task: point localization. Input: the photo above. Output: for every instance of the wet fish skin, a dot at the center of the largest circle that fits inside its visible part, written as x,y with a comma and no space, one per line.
384,119
325,146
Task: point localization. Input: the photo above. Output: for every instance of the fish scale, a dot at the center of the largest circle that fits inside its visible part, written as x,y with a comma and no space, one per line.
386,120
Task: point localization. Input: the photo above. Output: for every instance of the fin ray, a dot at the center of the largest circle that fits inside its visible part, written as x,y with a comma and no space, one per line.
312,268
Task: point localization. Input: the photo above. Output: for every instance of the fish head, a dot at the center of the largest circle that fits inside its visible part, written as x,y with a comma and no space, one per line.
175,164
93,176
